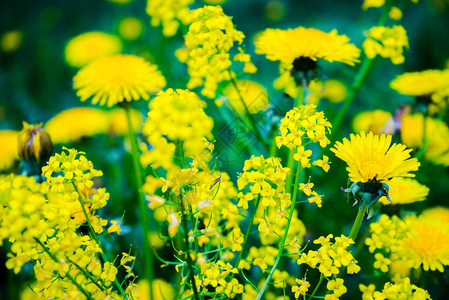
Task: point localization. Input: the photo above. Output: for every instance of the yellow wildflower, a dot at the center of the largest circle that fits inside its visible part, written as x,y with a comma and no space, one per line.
168,13
386,42
374,121
405,190
130,28
89,46
117,78
8,151
254,96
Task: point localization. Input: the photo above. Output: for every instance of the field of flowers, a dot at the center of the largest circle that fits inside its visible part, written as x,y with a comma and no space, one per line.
186,149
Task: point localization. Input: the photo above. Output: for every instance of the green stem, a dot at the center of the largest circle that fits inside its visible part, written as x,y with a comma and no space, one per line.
425,136
284,237
55,259
187,248
248,232
144,214
94,236
317,286
357,223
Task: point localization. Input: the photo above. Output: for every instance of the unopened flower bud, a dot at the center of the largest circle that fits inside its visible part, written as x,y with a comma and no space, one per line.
34,143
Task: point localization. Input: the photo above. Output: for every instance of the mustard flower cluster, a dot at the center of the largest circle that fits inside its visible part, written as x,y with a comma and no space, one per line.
215,274
168,13
45,223
386,42
402,289
175,116
210,37
414,241
331,256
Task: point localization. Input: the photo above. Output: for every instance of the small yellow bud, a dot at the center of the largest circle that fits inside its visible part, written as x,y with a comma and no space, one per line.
34,143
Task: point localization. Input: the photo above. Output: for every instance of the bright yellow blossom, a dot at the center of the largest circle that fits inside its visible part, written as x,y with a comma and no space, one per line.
405,190
386,42
168,13
8,151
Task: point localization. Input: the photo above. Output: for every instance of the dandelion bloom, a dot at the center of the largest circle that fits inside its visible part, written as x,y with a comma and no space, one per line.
8,150
118,78
291,44
89,46
374,121
372,157
405,190
422,83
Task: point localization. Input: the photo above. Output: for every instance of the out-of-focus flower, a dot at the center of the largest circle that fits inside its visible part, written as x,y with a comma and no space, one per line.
8,150
89,46
168,13
436,137
386,42
373,121
372,3
438,212
118,78
130,28
333,90
372,158
253,95
405,190
275,10
34,143
10,41
118,122
72,124
395,13
401,289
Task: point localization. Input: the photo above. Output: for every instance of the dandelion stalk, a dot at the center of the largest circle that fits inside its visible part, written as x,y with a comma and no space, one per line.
144,214
284,237
357,223
55,259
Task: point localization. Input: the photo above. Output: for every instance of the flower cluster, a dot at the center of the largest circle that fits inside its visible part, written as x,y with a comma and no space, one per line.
210,37
176,116
46,221
386,42
415,241
170,14
402,289
331,256
118,78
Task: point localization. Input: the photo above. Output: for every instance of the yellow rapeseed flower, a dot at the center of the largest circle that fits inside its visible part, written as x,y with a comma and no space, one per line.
89,46
251,93
405,190
371,121
168,13
118,78
372,157
72,124
8,150
292,44
333,90
386,42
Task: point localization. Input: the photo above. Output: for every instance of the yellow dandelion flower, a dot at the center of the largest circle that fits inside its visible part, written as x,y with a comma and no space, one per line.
372,157
291,44
438,212
89,46
253,95
428,245
436,134
8,150
118,122
118,78
371,121
10,41
333,90
72,124
422,83
405,190
130,28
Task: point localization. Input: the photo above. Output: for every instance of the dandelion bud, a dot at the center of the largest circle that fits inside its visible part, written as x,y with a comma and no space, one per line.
34,143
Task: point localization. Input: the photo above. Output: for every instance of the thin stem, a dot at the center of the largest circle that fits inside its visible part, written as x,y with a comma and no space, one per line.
187,249
248,232
317,286
284,237
55,259
357,223
144,214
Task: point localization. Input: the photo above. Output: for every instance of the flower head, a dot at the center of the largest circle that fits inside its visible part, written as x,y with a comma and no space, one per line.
374,121
118,78
168,13
292,44
8,150
34,143
386,42
89,46
422,83
372,157
405,190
